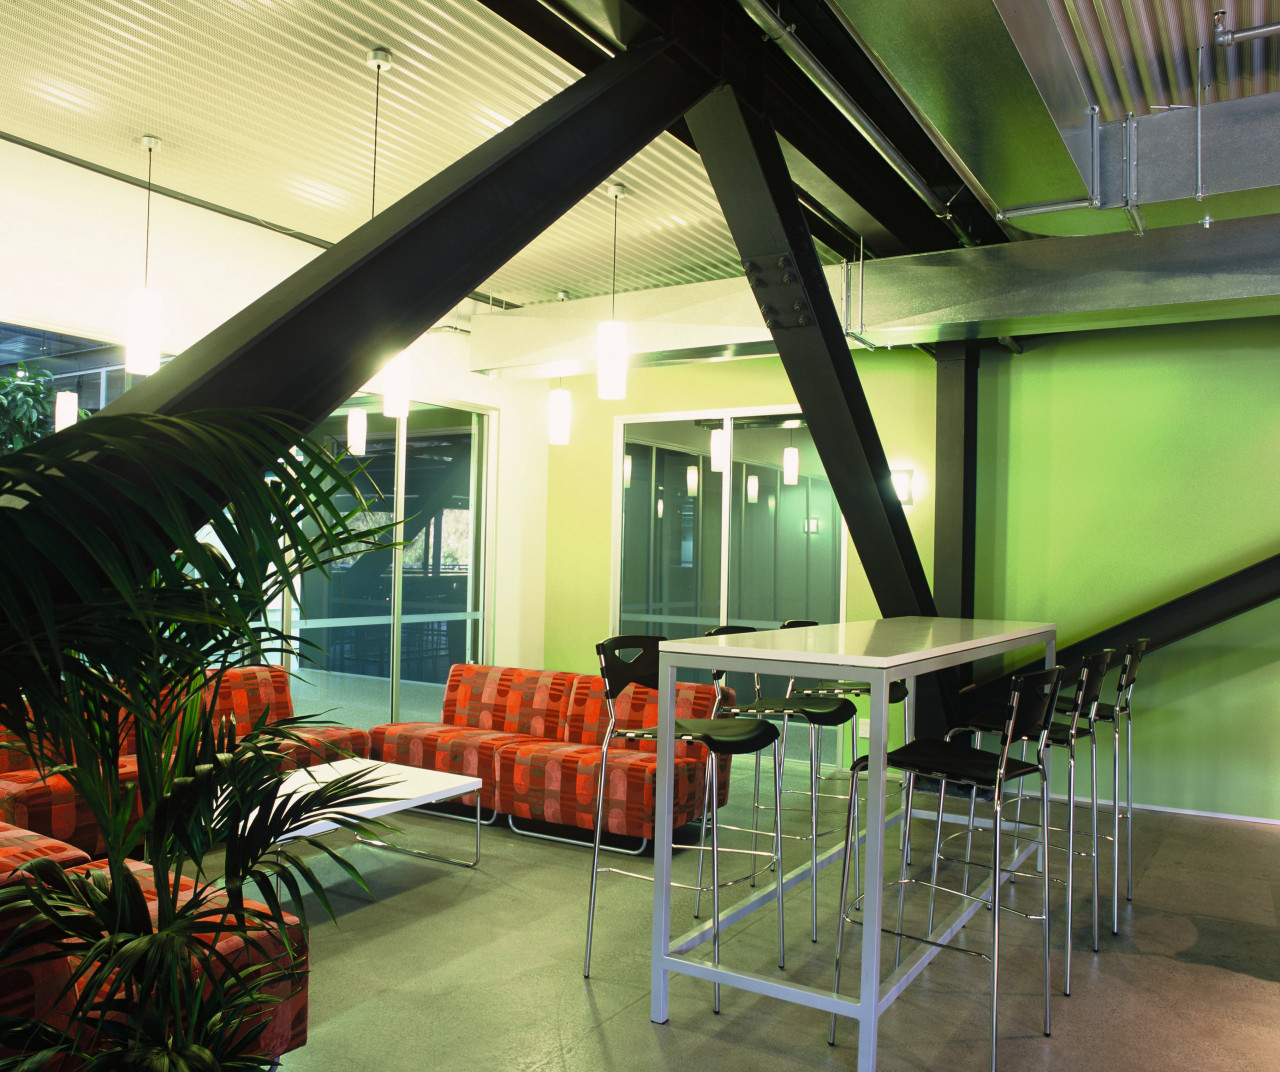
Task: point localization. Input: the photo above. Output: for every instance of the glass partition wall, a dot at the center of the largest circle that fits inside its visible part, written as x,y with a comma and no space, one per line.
384,627
692,559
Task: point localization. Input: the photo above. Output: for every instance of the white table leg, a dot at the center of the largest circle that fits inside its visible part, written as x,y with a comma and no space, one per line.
873,901
663,807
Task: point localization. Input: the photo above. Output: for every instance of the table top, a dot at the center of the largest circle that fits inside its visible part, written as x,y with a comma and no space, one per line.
882,643
406,787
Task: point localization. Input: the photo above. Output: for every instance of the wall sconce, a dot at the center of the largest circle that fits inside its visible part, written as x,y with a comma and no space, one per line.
691,481
660,504
902,484
559,416
773,503
357,432
626,470
66,409
719,450
753,489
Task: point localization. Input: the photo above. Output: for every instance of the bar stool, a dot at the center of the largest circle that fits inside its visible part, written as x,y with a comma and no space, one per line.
1028,716
632,661
1081,712
819,712
1114,713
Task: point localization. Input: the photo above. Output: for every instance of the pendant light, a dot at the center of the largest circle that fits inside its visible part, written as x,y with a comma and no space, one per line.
394,379
691,481
66,410
559,416
142,347
611,336
791,463
719,450
357,432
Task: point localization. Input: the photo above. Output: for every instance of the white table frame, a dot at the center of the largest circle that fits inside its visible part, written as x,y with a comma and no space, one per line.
407,787
877,652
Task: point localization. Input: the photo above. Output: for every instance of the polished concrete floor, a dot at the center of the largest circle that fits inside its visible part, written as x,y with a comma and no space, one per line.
449,969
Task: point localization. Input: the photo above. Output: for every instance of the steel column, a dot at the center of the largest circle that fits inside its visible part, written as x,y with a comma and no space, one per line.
750,178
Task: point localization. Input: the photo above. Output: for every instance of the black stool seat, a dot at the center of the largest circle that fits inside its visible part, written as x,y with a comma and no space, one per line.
728,736
820,710
953,762
897,689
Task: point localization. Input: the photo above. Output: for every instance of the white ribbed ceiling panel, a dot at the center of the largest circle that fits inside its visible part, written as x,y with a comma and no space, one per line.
266,107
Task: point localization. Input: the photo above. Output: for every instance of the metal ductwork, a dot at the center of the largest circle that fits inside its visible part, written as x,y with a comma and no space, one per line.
784,37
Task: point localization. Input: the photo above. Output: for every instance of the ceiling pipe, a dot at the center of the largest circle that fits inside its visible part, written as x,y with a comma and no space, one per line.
784,37
1223,36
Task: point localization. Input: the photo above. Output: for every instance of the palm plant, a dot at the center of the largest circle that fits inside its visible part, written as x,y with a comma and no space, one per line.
149,551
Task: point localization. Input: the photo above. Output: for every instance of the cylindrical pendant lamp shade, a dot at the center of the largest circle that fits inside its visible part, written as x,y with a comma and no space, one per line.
791,465
142,347
357,432
611,359
66,409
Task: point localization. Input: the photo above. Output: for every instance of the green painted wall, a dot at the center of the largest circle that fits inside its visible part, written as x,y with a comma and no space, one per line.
1117,470
1121,469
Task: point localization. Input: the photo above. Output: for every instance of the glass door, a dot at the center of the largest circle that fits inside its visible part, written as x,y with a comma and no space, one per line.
672,514
382,628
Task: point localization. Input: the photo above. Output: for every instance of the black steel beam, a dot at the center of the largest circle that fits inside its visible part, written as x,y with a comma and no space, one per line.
1234,594
750,179
309,343
749,175
955,477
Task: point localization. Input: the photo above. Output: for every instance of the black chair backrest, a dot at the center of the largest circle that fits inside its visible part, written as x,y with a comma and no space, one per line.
626,660
1129,668
1092,671
1031,705
717,676
796,623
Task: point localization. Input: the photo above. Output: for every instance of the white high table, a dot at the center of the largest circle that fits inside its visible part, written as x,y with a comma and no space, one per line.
878,652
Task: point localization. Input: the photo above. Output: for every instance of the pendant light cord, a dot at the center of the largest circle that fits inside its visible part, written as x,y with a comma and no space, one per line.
146,248
613,286
377,102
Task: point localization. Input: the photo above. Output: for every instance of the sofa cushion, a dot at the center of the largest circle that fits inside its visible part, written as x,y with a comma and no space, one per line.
19,846
453,749
13,756
52,807
507,699
636,708
40,989
324,744
553,782
243,693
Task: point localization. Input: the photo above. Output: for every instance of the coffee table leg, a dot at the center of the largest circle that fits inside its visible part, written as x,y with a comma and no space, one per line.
422,854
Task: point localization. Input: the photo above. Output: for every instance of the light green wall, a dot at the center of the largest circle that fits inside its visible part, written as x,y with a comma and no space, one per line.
899,386
1119,470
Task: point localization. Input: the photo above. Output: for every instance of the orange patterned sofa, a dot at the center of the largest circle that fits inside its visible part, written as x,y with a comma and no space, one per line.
533,738
45,989
244,693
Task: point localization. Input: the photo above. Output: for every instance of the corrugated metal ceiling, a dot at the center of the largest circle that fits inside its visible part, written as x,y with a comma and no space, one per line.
266,107
1138,55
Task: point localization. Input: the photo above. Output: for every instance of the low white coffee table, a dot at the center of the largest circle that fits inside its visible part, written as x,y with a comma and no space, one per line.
403,788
